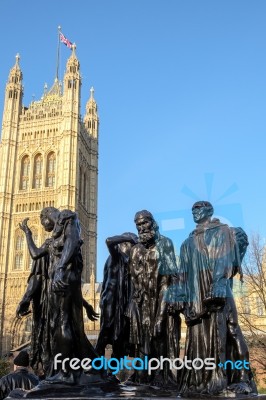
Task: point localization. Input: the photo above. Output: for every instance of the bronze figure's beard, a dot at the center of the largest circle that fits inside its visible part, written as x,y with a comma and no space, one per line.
147,237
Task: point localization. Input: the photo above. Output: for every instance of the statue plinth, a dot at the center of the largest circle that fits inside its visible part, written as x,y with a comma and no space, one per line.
107,390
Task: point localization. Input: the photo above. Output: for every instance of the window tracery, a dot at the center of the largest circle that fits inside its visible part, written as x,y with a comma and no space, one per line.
37,175
50,171
25,173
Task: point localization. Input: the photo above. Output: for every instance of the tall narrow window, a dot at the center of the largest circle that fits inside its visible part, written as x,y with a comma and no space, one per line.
19,247
20,243
80,183
260,307
19,261
246,305
37,175
84,189
25,173
50,171
92,193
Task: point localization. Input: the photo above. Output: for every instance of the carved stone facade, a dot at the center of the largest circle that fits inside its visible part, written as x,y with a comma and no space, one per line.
48,157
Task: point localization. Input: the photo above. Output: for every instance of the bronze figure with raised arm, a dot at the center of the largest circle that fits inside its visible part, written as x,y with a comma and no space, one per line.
54,287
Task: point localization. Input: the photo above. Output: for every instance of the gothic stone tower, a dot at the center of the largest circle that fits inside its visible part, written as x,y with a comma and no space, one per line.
48,157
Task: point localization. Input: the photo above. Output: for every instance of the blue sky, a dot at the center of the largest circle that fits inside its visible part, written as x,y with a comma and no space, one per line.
181,91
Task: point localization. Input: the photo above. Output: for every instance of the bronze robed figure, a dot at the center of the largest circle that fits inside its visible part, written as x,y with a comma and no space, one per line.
210,257
115,296
153,269
54,287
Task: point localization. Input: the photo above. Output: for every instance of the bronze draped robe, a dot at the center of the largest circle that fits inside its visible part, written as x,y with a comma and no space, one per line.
209,258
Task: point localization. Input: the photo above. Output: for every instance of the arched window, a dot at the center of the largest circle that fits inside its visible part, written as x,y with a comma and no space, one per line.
25,173
246,305
92,193
84,189
260,307
50,170
19,261
37,175
20,243
19,247
80,183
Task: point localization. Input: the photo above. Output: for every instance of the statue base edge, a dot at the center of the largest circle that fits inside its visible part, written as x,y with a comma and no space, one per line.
109,390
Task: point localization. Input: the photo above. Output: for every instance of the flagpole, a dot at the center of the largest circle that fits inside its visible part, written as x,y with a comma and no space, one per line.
58,52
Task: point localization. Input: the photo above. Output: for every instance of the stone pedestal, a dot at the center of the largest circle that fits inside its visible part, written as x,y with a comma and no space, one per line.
110,390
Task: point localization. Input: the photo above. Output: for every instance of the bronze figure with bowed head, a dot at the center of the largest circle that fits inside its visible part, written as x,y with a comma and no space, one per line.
115,296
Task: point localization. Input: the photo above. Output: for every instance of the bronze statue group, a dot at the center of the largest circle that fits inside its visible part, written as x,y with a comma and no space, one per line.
144,292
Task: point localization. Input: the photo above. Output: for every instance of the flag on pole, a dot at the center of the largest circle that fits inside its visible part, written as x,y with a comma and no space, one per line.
64,40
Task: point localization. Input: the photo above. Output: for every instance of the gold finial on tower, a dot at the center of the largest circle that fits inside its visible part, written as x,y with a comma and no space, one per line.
17,59
73,47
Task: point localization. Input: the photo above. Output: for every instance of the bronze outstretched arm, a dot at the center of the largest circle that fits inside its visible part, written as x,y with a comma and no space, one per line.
35,252
34,285
91,314
113,241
